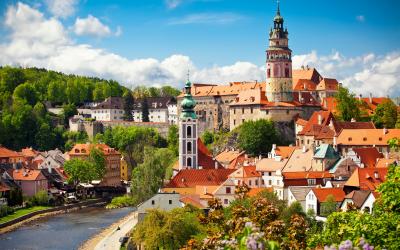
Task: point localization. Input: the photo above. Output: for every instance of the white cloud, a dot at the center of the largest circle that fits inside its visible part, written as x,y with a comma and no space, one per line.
370,73
34,40
172,4
91,26
206,18
360,18
61,8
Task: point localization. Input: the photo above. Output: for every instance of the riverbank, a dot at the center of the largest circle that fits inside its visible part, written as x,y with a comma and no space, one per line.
20,221
96,239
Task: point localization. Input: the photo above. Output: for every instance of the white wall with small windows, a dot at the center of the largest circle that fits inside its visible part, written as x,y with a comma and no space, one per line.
163,201
226,192
108,114
311,202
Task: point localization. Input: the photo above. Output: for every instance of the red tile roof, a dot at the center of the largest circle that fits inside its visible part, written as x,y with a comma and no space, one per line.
323,193
193,200
284,151
255,191
7,153
339,126
328,84
312,127
84,149
368,156
307,175
28,175
189,178
367,178
205,159
367,137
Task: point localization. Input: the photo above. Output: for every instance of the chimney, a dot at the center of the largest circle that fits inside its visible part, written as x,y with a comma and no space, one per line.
302,67
319,119
216,164
304,149
308,67
359,97
385,131
376,175
205,190
370,97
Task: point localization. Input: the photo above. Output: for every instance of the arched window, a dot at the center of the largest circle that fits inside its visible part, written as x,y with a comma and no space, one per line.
189,162
286,72
189,147
189,131
268,73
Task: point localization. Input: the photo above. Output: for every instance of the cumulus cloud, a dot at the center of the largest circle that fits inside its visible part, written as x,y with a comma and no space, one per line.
91,26
370,73
34,40
61,8
206,18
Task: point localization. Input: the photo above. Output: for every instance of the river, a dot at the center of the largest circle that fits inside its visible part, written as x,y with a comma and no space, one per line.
64,231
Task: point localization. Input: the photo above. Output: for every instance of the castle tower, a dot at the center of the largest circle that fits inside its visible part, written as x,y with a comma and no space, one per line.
188,154
279,63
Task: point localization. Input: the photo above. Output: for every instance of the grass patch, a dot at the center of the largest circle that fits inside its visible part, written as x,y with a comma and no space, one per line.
22,212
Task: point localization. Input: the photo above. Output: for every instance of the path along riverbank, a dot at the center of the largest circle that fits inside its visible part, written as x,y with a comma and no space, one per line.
109,237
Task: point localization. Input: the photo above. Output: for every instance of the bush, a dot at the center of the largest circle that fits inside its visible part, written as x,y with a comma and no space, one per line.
121,201
5,210
41,198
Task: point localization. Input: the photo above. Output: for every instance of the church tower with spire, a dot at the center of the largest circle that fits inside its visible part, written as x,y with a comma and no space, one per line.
188,134
279,63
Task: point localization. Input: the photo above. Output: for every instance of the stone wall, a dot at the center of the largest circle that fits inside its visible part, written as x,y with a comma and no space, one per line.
161,127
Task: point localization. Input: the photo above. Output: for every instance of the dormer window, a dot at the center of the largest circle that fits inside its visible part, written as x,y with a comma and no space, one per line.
365,139
350,139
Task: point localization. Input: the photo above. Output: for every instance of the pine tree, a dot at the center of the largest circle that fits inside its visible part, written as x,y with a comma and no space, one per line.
128,106
145,110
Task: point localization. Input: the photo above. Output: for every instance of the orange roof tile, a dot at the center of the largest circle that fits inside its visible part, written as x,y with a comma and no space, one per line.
250,97
247,172
193,200
234,88
84,149
194,177
228,156
307,175
368,156
384,163
255,191
205,159
323,193
29,152
328,84
306,73
367,137
367,178
28,175
284,151
7,153
312,125
304,84
301,122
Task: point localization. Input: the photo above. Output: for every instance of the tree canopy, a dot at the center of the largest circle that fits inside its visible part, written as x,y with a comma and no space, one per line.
385,115
347,105
257,137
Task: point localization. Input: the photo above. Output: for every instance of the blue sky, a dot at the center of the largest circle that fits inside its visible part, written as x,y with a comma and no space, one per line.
223,32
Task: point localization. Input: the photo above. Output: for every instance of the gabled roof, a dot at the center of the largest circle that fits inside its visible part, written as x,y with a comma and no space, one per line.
304,99
301,122
228,156
193,200
270,164
313,122
358,197
246,172
300,193
205,159
323,193
284,151
29,152
299,161
250,97
111,103
328,84
367,137
368,156
338,126
28,175
193,177
326,151
306,73
325,132
384,163
343,168
304,84
367,178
